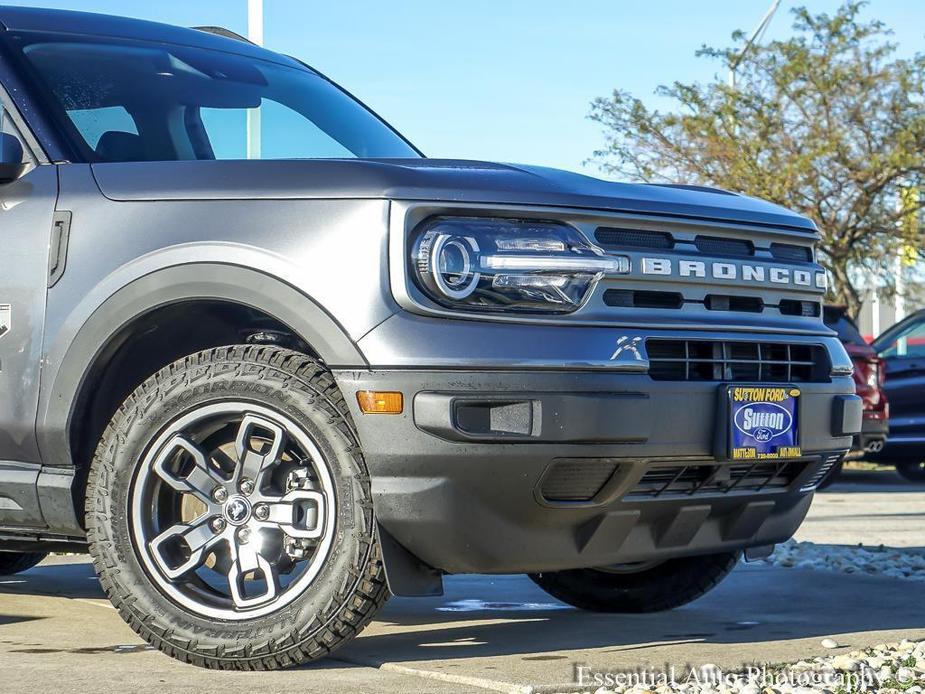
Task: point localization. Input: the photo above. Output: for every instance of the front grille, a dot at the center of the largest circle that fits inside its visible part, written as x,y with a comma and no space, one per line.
576,480
639,298
613,238
708,360
693,480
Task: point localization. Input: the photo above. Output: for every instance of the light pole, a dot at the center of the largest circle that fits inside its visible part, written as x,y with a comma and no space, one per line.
755,37
254,34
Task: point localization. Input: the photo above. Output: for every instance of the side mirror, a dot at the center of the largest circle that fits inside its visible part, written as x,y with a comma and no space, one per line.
11,155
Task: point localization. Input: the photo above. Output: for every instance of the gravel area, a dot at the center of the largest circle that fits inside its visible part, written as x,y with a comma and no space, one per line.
883,561
893,668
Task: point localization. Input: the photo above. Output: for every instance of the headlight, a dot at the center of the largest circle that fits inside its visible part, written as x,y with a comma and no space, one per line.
485,264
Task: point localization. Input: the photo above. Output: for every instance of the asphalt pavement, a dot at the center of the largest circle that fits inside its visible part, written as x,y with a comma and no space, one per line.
58,633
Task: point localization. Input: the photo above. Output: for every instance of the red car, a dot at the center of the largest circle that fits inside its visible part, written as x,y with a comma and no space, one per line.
868,379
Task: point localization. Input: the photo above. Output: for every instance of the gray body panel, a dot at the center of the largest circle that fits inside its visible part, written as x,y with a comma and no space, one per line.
306,244
125,259
26,210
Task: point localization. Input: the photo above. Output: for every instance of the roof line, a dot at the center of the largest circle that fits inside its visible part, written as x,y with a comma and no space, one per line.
222,31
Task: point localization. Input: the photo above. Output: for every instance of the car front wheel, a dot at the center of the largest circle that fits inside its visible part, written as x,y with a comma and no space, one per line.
229,513
638,587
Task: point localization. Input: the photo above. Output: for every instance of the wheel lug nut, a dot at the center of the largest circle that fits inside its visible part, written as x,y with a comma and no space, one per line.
244,535
247,486
261,511
220,494
217,524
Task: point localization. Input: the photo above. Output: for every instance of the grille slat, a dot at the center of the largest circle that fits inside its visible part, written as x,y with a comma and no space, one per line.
628,298
634,238
704,360
641,298
786,251
694,480
712,245
827,465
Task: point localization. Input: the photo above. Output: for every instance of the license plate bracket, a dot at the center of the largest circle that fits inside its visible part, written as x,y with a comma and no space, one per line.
761,422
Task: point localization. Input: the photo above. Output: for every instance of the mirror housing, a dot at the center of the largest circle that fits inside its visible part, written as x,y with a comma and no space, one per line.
11,159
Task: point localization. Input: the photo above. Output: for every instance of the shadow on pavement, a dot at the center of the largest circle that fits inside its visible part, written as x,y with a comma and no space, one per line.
882,481
67,580
484,616
755,604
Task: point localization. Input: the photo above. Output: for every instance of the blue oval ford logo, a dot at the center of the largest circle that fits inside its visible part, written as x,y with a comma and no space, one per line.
763,421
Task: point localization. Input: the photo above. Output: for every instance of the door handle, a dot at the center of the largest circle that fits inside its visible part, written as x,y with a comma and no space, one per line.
57,247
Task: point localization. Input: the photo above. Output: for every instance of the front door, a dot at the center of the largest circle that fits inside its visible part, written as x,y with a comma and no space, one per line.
27,208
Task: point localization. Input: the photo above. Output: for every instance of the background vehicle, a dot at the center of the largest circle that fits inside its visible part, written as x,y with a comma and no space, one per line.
902,349
263,393
868,380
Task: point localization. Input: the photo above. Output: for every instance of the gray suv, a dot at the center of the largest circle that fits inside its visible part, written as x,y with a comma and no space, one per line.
267,363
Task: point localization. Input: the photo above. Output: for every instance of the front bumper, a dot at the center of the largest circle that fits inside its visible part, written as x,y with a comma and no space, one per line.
469,478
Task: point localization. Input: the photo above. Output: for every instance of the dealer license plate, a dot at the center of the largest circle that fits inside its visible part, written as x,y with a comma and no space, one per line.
764,422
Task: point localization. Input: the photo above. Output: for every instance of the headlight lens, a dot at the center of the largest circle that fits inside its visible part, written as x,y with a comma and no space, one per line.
486,264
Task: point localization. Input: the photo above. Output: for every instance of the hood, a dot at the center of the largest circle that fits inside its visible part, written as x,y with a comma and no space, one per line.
427,180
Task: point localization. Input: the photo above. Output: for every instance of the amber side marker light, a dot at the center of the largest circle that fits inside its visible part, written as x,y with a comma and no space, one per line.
379,402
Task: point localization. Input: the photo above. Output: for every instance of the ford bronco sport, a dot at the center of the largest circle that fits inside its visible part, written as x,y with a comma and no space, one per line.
267,363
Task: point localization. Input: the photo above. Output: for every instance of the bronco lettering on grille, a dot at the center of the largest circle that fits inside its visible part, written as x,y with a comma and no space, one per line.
733,271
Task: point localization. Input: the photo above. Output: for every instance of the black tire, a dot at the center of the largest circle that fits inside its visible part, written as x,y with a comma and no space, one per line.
914,471
830,478
652,588
17,562
350,585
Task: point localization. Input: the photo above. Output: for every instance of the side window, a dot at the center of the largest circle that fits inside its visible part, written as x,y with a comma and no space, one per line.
285,134
909,342
91,123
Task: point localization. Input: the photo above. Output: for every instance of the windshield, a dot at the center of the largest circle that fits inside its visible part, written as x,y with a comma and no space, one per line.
905,339
136,101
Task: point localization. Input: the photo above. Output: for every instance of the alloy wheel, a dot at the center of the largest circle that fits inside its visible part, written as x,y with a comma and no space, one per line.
233,511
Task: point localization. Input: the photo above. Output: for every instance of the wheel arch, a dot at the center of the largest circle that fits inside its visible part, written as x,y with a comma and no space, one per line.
90,352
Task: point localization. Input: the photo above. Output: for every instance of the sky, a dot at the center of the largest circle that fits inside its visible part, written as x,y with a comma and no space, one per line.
499,80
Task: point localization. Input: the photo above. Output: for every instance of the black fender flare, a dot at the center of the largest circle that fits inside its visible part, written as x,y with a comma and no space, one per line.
71,358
